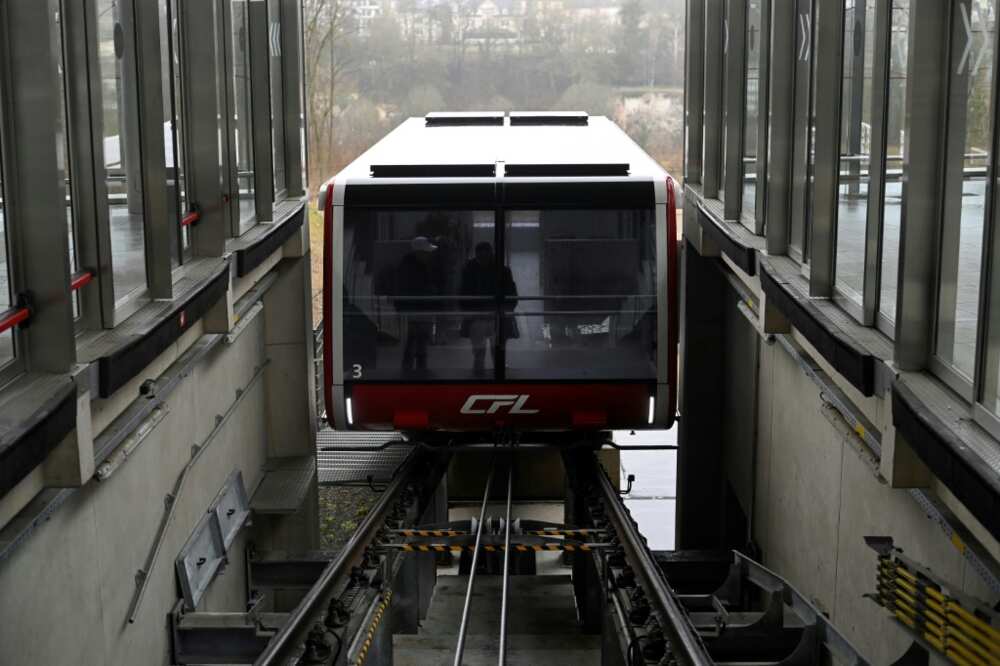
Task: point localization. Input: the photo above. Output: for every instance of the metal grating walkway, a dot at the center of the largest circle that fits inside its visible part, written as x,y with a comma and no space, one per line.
352,458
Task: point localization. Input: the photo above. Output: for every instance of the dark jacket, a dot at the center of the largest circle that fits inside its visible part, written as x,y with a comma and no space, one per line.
480,280
416,279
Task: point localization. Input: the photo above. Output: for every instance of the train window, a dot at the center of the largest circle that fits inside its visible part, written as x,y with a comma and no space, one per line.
242,129
579,294
855,147
413,307
122,159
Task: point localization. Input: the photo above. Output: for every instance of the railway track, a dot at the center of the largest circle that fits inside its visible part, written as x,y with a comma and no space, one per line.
323,628
643,607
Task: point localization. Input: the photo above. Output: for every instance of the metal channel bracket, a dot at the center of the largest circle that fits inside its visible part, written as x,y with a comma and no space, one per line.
231,507
200,559
205,550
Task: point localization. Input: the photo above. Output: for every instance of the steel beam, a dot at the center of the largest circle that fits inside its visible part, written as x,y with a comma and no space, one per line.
924,164
829,57
781,79
711,162
694,90
35,203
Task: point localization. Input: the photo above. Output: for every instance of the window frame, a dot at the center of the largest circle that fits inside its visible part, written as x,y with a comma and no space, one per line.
988,333
178,119
875,241
140,32
17,365
35,200
259,121
754,219
803,124
279,108
866,310
969,389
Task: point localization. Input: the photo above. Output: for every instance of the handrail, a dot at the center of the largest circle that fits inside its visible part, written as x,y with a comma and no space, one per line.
13,317
80,279
190,219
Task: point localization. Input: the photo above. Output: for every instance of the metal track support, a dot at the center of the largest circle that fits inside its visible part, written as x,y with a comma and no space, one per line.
502,659
460,647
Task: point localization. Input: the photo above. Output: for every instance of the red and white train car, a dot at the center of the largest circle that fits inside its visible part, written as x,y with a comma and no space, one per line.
501,271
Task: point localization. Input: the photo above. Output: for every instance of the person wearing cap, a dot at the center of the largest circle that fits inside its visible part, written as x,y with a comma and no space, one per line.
415,289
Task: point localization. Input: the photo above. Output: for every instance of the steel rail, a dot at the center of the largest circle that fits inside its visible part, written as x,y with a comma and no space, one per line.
687,647
460,646
502,659
335,571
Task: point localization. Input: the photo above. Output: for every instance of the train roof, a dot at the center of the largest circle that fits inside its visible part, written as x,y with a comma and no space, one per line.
518,145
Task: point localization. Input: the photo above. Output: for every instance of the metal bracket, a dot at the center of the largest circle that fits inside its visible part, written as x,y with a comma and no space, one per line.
205,551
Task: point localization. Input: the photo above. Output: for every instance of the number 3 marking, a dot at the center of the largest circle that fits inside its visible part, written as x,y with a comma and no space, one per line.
357,371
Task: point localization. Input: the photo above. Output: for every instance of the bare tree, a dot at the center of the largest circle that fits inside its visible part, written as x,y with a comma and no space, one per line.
328,27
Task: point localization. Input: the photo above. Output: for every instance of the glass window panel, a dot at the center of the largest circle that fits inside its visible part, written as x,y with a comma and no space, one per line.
62,150
242,123
855,146
968,158
277,96
751,109
582,303
804,135
6,290
895,128
116,58
173,129
725,97
407,313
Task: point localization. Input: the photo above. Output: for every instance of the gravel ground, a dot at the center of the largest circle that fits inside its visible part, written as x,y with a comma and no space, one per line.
341,508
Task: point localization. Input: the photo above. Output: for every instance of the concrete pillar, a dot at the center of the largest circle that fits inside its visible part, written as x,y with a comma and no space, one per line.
700,497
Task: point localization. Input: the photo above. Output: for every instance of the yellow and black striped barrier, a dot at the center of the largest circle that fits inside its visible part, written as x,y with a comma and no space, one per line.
963,632
569,533
431,533
489,548
372,628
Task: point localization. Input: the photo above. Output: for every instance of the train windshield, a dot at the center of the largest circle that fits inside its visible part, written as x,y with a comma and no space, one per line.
476,295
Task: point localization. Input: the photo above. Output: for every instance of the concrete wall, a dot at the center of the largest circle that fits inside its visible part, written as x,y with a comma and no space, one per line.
815,496
66,590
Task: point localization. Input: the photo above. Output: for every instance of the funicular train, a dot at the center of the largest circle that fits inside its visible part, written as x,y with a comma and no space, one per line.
488,271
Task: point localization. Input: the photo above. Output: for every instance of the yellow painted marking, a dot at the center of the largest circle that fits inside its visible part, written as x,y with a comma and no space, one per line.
860,429
958,543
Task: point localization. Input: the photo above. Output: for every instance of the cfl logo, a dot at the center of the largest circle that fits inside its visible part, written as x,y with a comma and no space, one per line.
491,404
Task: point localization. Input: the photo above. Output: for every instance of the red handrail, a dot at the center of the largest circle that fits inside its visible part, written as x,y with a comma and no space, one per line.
12,317
79,280
190,218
